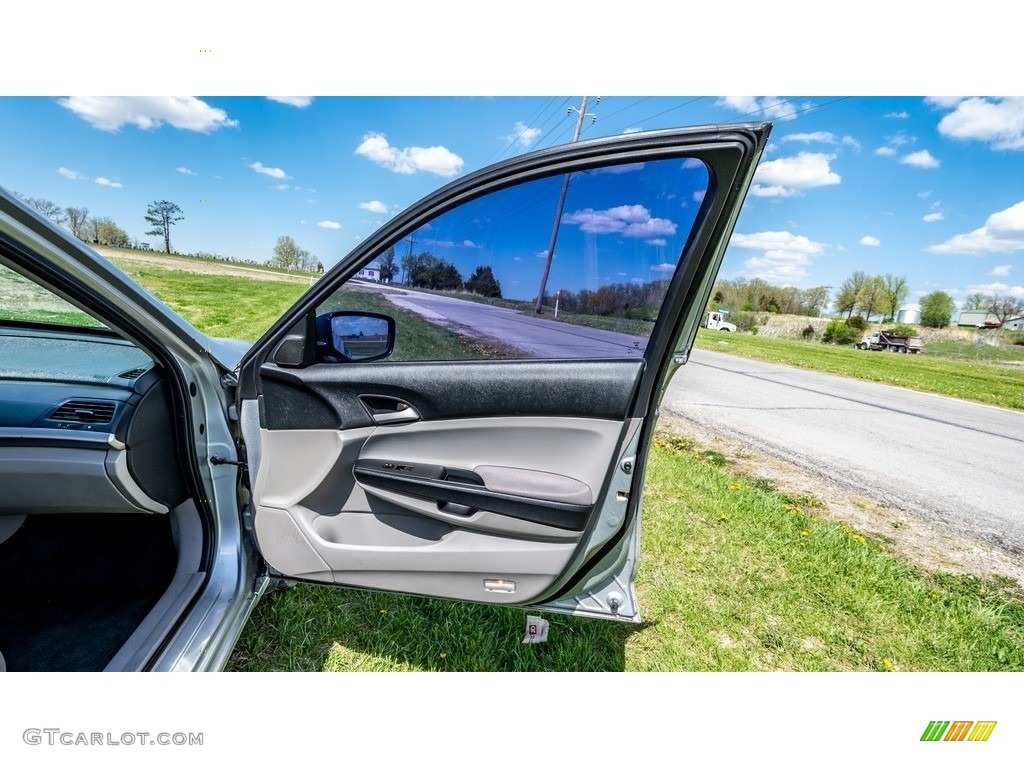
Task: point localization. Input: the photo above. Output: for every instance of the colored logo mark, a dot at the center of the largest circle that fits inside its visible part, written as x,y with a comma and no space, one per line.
958,730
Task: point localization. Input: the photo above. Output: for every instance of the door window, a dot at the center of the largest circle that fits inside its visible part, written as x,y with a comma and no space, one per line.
599,245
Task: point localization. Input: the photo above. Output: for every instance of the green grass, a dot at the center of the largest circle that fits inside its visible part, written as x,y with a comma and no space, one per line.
24,300
734,576
119,255
219,305
241,308
973,353
978,381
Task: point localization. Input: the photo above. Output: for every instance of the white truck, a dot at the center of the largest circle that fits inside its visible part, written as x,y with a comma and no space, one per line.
882,341
716,322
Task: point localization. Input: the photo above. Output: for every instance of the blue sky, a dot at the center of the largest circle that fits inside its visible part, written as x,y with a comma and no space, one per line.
929,188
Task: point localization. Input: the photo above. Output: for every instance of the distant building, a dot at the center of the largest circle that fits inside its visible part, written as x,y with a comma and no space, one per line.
974,318
370,272
1014,324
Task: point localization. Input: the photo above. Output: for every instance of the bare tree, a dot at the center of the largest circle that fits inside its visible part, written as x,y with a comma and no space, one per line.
162,215
77,217
975,301
91,230
50,210
1005,307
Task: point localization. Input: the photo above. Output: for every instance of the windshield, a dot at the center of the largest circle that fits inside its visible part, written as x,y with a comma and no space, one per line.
21,299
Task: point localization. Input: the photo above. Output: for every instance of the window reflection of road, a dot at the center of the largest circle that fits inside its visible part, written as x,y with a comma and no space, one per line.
534,336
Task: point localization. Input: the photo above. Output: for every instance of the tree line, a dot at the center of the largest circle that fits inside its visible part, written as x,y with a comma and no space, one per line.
161,215
861,295
424,270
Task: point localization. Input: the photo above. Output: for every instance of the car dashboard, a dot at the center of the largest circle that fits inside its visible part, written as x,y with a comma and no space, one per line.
86,424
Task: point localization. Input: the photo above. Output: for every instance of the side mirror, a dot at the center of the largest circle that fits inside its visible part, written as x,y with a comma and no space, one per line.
349,336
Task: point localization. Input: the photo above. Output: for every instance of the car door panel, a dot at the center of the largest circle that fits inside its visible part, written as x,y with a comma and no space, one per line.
480,507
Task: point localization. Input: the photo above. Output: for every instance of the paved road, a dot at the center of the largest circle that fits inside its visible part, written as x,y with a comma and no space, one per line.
536,336
947,460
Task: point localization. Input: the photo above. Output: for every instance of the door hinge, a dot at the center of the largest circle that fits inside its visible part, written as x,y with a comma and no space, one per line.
247,518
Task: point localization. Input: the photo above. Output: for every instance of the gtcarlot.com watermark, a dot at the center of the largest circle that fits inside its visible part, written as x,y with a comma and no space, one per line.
53,737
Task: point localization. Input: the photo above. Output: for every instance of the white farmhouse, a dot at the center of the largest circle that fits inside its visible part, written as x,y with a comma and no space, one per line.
370,272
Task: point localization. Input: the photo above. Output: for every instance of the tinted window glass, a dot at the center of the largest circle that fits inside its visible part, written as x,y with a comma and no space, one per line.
471,277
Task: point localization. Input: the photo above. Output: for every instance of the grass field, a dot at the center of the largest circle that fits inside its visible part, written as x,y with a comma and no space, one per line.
982,382
735,574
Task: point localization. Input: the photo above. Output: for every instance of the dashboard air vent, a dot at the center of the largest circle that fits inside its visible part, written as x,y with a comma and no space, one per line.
85,411
134,373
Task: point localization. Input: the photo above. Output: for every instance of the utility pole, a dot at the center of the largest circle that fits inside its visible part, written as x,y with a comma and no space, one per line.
581,114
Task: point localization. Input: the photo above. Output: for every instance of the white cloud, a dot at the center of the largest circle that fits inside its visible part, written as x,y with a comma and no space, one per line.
374,206
1016,291
893,145
999,122
921,159
767,106
105,182
110,113
823,137
186,171
1003,232
790,176
631,129
328,224
925,195
626,220
615,170
663,267
698,196
869,240
932,217
897,115
274,173
786,256
437,160
657,241
944,101
293,101
67,173
523,135
1002,270
851,142
282,186
693,162
774,241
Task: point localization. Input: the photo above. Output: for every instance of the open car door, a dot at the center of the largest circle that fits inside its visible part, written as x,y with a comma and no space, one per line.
443,444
